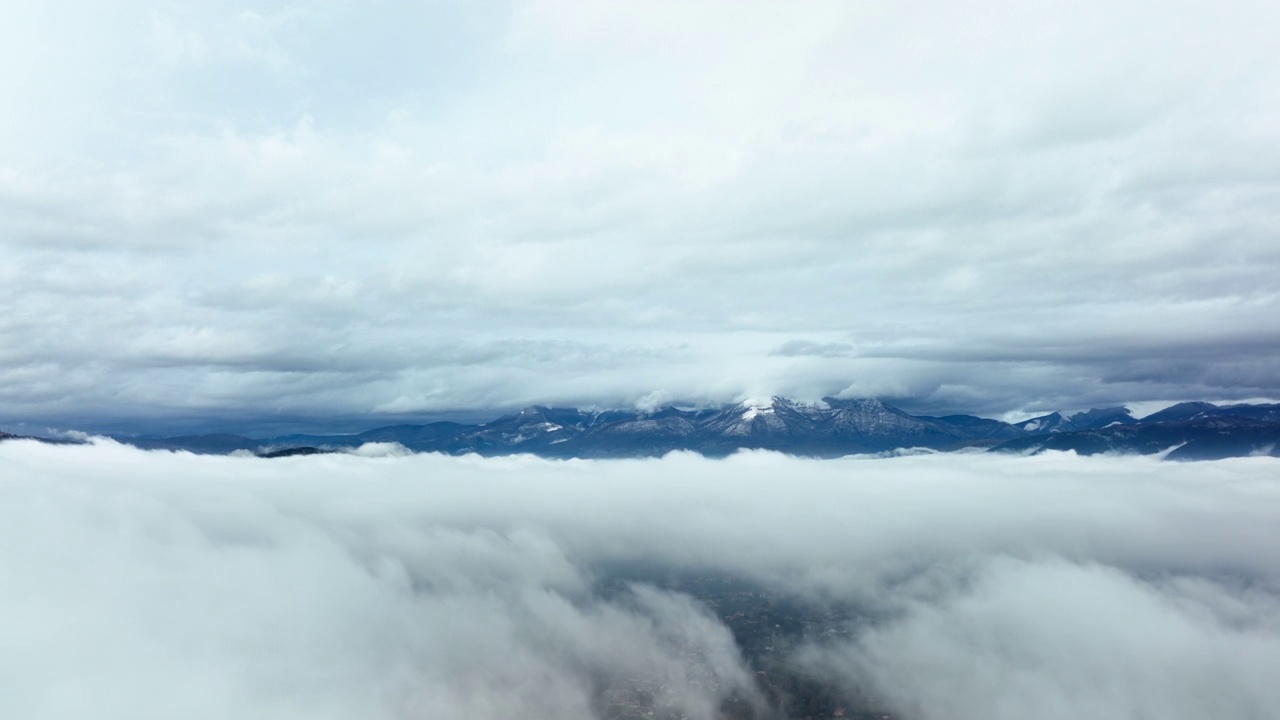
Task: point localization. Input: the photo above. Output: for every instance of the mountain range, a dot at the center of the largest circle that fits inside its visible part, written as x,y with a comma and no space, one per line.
829,428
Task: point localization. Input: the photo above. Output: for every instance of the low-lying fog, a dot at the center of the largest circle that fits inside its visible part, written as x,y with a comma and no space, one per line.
156,585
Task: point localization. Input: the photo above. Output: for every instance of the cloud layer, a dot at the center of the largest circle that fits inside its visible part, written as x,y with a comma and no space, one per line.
324,209
157,584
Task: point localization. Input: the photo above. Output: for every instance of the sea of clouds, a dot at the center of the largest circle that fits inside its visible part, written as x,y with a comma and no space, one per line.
159,585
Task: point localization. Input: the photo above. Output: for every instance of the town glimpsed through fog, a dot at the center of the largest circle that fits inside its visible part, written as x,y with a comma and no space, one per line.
160,585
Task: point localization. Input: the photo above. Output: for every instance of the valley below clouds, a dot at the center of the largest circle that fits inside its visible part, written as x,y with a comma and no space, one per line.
155,584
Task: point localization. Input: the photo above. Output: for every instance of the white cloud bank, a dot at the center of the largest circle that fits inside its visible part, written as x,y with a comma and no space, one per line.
159,585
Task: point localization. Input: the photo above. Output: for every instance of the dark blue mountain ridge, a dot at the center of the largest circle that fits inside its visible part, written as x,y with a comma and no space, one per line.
1092,419
980,427
1053,422
828,428
1202,410
1101,417
1205,436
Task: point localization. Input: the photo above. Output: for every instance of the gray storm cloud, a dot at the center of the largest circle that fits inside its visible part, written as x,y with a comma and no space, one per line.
309,210
148,584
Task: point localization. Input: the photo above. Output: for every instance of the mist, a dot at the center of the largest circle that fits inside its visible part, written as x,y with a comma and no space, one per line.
141,584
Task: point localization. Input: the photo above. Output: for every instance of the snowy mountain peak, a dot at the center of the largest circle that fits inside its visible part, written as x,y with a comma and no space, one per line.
1053,422
751,409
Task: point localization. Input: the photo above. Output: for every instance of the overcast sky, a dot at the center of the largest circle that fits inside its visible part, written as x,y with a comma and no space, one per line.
220,210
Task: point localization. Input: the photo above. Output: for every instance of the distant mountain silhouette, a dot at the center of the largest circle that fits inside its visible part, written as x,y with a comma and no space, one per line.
828,428
1193,430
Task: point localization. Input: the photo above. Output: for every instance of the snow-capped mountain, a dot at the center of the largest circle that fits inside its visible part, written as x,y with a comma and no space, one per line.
773,417
1189,431
827,428
1053,422
529,428
1091,419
